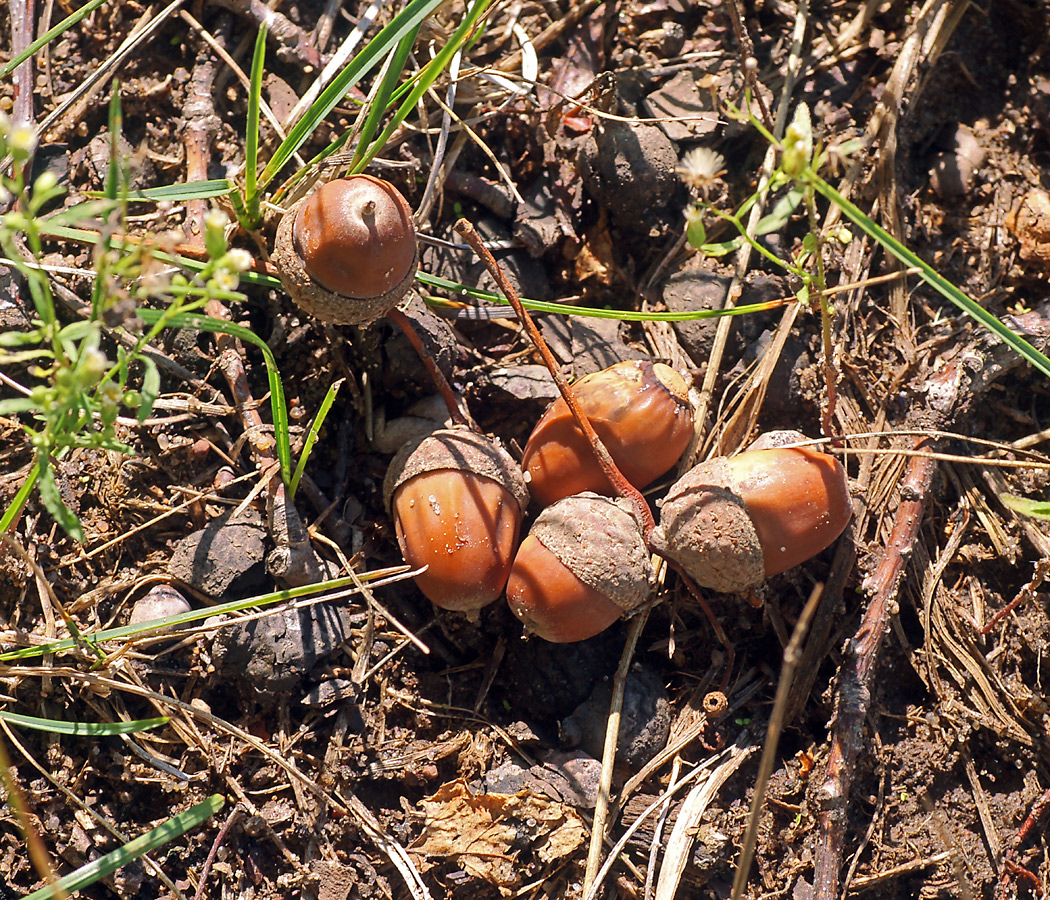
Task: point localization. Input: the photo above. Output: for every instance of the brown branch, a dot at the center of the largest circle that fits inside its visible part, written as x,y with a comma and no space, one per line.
623,487
409,330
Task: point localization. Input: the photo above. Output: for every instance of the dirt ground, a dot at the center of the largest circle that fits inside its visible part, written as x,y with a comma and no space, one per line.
915,740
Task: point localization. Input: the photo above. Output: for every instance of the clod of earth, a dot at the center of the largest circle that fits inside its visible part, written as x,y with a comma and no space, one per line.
227,551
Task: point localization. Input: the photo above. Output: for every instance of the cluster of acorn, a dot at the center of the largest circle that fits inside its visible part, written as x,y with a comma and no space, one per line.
458,499
347,255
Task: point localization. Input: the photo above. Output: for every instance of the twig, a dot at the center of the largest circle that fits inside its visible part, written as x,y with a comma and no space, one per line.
1010,864
792,655
231,819
293,44
409,330
623,487
612,736
852,695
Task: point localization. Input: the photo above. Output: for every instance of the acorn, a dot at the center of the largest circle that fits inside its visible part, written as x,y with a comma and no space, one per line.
347,253
457,499
731,522
641,412
582,566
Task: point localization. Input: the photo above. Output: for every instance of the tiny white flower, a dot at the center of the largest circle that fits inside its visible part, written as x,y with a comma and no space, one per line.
225,280
22,139
217,219
45,182
238,260
701,167
94,363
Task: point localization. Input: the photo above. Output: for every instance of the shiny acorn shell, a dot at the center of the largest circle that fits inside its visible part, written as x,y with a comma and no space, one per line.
343,264
583,565
641,412
457,499
731,522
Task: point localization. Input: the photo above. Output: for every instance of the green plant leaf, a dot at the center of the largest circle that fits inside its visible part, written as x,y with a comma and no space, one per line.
251,136
54,504
410,17
781,213
17,405
157,837
175,193
1037,509
150,388
311,436
82,729
722,248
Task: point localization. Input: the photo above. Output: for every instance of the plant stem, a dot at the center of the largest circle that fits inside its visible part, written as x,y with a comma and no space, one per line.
408,329
623,487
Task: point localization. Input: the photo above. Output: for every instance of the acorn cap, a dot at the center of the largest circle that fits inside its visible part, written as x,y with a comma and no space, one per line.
458,449
600,542
706,529
299,235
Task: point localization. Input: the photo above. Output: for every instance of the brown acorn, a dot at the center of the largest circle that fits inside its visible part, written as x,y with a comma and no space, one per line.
347,253
583,565
457,499
731,522
641,412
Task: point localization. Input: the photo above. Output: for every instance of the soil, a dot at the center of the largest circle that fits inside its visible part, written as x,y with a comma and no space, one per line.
356,762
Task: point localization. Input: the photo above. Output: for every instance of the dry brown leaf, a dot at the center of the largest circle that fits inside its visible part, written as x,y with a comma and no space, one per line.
486,833
595,258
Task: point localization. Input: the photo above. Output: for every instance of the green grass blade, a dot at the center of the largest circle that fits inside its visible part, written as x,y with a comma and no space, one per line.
563,309
125,632
934,279
381,101
277,403
251,138
157,837
1037,509
82,729
18,502
177,193
67,23
409,18
311,437
429,74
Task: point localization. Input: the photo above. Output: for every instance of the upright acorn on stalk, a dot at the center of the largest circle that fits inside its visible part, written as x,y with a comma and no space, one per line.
347,252
641,412
457,499
733,521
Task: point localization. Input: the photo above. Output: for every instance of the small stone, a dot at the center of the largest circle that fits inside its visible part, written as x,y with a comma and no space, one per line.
270,656
645,720
161,602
